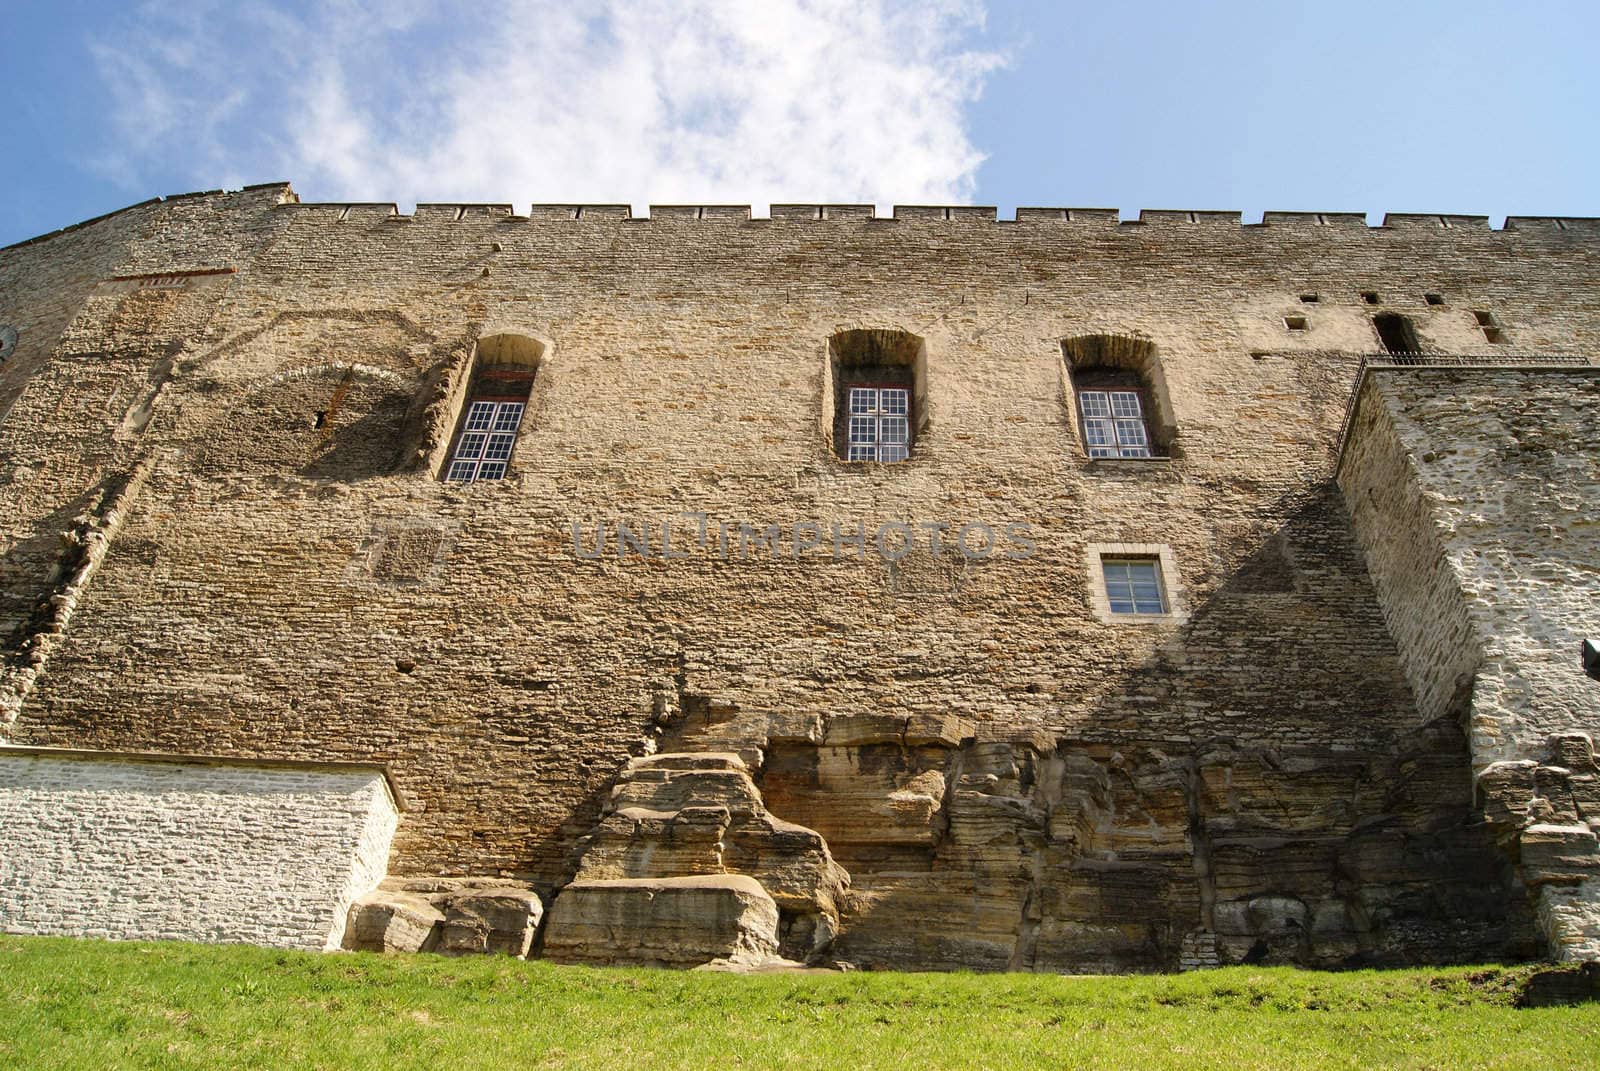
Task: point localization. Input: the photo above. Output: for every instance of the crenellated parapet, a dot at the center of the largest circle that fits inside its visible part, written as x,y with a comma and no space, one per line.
280,197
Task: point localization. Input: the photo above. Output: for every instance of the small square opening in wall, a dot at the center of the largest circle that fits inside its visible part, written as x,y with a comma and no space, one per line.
1433,299
1370,297
1295,323
1489,326
1310,299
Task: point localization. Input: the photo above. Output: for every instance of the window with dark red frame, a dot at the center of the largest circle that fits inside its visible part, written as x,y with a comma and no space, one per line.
1113,412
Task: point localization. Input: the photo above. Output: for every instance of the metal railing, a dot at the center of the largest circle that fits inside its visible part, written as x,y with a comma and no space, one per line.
1466,360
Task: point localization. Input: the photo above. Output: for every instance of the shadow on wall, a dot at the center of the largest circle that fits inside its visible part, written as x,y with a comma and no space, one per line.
333,422
1254,790
30,570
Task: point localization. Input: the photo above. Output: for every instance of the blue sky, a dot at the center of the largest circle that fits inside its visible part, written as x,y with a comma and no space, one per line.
1466,106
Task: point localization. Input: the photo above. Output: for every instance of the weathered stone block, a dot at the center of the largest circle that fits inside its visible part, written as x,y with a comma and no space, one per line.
683,814
1575,751
501,921
1561,854
393,922
662,922
1505,791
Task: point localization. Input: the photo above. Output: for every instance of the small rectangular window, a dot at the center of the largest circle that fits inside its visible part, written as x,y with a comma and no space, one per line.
487,438
1310,299
1133,585
1489,326
1369,297
880,424
1295,323
1433,299
1397,334
1113,423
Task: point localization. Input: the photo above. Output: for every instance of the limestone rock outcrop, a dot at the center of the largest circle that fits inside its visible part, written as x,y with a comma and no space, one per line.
686,814
389,921
1546,814
663,922
1059,855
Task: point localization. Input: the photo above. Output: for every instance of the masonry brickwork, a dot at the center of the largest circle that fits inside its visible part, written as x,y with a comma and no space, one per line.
156,849
222,430
1474,494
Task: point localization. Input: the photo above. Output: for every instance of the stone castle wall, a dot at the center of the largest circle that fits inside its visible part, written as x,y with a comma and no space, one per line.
1497,470
1473,492
1011,778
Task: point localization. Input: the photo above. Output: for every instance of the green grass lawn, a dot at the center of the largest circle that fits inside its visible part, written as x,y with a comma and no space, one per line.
88,1004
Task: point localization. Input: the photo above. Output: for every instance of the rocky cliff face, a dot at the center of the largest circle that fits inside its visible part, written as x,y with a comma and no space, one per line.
1038,855
689,814
1066,856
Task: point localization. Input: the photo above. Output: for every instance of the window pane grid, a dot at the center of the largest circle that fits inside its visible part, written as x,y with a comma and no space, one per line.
508,416
488,435
880,424
1133,587
499,448
1124,404
1113,423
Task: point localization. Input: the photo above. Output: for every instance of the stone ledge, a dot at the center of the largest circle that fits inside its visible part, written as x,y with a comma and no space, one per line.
186,759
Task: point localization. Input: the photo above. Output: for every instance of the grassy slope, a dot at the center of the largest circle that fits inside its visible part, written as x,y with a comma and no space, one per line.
85,1004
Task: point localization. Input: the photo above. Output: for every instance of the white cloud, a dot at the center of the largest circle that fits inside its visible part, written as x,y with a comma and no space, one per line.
626,100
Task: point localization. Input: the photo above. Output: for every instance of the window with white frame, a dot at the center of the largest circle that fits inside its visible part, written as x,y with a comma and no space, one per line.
880,424
1113,423
488,435
1133,585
